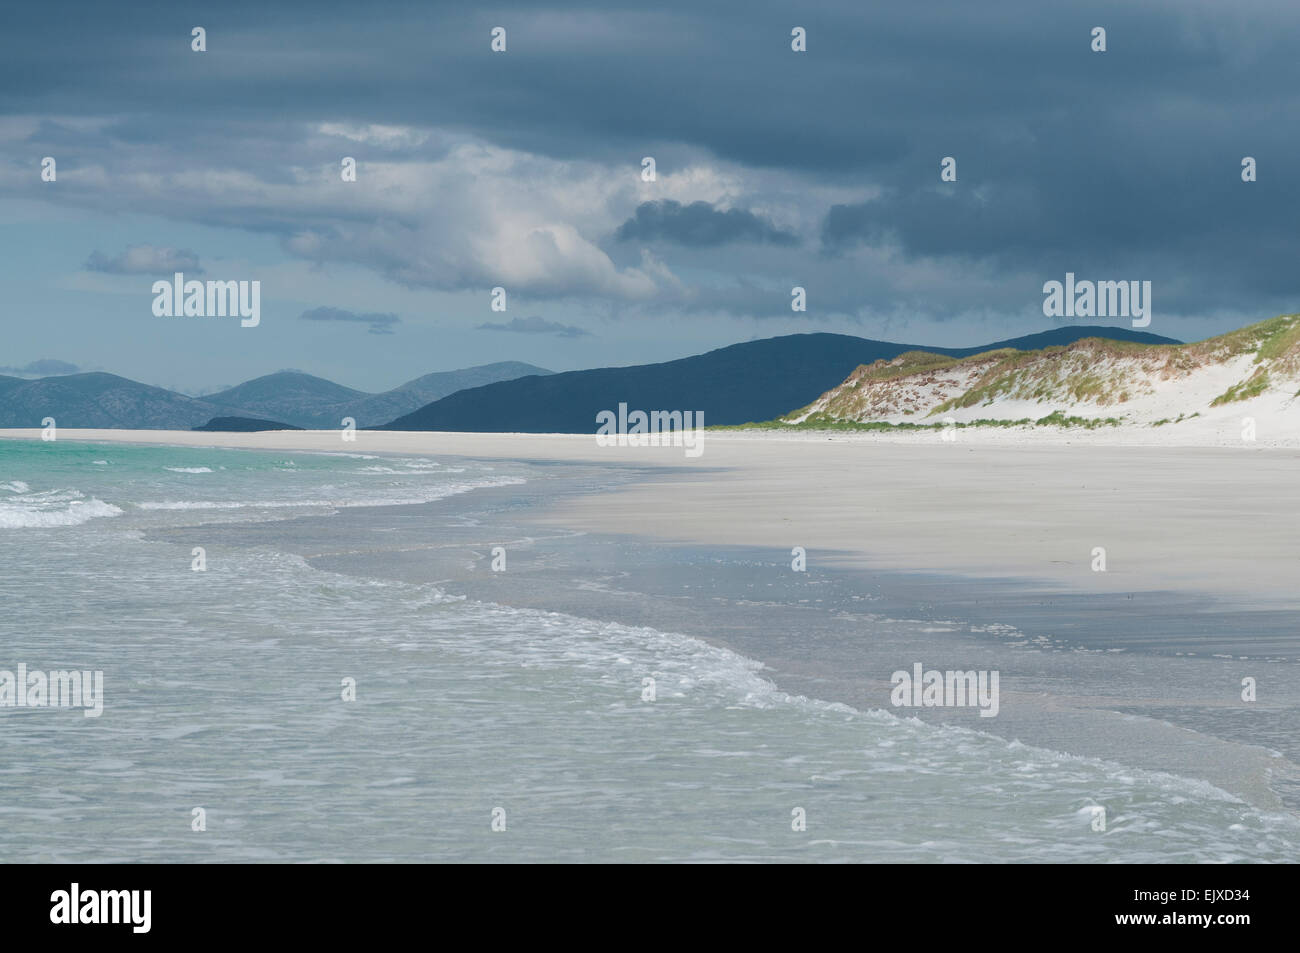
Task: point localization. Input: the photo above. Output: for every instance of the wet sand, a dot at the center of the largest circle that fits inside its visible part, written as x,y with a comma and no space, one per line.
958,556
1200,520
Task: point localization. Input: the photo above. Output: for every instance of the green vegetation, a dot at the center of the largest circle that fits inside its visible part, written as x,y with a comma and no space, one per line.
909,362
1269,339
1282,348
1177,420
1253,386
1059,418
824,422
1091,370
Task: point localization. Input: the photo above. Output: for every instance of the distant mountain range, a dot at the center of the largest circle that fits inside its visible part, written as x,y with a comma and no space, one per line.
100,400
749,382
753,381
319,404
1251,374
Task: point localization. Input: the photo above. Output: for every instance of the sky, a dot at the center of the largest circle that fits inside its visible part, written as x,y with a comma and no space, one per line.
523,169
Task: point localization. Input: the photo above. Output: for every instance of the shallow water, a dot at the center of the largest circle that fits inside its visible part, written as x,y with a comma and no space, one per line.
223,691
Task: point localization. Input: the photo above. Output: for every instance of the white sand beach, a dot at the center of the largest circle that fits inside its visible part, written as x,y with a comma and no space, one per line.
1032,505
375,558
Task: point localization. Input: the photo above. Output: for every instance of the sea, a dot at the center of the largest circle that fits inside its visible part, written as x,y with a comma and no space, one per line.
285,681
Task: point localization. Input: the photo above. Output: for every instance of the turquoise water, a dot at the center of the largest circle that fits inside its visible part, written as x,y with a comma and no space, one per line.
223,691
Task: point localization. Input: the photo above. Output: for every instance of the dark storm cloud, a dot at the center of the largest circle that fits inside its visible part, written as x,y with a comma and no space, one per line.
536,325
379,323
1126,161
698,225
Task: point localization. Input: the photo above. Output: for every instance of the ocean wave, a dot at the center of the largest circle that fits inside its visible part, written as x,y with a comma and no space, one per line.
414,496
208,505
15,486
189,469
37,513
905,770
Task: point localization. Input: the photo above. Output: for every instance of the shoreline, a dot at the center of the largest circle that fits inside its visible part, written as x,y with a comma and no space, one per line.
1194,520
1077,679
1143,679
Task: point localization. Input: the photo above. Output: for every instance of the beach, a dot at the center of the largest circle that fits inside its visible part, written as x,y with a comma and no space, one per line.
1176,517
1119,687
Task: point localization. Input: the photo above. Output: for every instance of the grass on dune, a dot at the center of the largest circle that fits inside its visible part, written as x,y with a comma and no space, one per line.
822,422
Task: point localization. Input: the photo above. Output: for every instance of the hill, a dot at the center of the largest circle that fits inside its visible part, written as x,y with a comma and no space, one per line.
1254,371
243,425
308,401
423,390
100,400
96,400
755,380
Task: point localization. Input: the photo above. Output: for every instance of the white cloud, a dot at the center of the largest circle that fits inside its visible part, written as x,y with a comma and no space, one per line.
432,209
